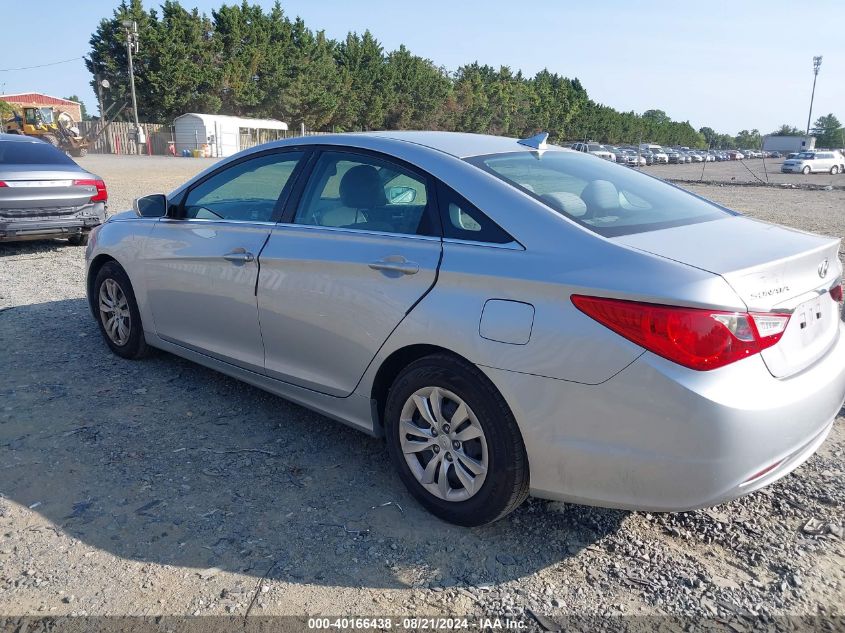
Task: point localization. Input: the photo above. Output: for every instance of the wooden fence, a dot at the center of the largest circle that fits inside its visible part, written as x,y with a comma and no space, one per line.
117,138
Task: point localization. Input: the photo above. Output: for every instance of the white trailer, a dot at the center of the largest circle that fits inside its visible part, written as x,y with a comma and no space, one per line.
223,135
787,144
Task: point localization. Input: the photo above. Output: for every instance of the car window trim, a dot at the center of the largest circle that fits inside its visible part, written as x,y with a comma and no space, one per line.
513,245
443,190
279,206
432,208
343,229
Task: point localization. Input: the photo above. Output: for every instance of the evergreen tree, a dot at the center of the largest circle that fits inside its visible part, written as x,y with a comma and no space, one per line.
828,132
245,60
82,111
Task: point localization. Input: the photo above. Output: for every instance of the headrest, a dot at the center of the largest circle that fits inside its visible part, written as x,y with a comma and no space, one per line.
600,195
361,188
565,202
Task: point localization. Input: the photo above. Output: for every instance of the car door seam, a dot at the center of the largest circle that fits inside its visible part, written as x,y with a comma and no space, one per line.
396,327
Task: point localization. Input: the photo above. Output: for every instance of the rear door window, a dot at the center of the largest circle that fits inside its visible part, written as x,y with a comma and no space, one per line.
367,193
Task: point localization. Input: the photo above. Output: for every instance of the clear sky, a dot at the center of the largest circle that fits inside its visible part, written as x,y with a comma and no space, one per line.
730,65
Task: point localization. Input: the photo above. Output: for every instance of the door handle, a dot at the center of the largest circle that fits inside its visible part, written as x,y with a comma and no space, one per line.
396,264
239,256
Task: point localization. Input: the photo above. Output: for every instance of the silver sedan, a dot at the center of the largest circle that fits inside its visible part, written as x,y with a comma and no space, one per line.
44,194
512,317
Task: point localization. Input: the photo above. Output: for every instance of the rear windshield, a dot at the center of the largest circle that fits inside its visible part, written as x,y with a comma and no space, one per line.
606,198
41,153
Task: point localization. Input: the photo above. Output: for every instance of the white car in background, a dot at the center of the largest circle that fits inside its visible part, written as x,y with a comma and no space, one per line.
808,162
595,149
631,158
660,156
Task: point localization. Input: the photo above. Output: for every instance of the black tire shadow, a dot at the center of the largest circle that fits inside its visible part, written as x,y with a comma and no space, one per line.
166,462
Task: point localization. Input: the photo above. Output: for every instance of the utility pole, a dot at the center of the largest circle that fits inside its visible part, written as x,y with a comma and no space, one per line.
817,63
132,46
101,83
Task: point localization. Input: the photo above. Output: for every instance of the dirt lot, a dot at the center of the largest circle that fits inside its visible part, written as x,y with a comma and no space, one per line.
752,170
160,487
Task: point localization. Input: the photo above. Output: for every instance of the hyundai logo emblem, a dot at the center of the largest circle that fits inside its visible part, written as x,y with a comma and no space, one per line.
823,268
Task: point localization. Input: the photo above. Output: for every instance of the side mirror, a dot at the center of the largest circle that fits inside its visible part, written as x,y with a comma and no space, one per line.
151,206
401,195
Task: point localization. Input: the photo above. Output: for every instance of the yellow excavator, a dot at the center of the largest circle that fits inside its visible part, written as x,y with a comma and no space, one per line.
52,126
56,127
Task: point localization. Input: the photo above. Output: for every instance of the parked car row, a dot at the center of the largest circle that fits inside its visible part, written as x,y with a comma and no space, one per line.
650,154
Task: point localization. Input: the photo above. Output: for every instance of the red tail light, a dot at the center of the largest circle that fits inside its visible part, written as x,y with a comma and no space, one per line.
3,184
102,195
836,293
692,337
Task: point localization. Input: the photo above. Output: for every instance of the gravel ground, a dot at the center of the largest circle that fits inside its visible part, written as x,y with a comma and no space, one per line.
160,487
749,171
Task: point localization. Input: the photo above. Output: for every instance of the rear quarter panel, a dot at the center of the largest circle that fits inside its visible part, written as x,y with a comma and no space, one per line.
564,343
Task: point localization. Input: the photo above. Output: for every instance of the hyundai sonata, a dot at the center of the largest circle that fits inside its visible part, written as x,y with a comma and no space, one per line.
512,317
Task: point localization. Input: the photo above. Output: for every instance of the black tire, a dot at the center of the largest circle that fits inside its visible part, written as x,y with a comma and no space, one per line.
135,346
80,239
834,170
49,138
806,170
507,481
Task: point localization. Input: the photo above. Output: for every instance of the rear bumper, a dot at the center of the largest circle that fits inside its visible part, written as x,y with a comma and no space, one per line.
661,437
23,229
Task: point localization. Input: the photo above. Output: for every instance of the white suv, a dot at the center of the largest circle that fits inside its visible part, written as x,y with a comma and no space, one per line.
817,161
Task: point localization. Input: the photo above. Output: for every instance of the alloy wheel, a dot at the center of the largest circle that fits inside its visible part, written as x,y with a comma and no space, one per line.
114,312
443,444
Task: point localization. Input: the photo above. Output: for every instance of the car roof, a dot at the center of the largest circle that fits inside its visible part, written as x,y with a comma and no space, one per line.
457,144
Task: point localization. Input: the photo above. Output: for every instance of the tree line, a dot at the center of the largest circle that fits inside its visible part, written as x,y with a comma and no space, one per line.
827,129
245,61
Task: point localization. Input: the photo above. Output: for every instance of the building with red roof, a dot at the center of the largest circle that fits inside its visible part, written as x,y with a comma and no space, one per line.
37,99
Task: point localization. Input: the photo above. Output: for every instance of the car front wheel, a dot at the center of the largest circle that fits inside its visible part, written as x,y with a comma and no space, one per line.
834,170
117,312
454,441
806,170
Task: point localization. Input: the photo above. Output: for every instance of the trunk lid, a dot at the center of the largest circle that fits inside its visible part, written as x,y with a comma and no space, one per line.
772,269
32,192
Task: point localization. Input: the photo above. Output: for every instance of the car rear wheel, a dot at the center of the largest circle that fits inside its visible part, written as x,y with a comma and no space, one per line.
834,170
454,441
117,312
806,170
